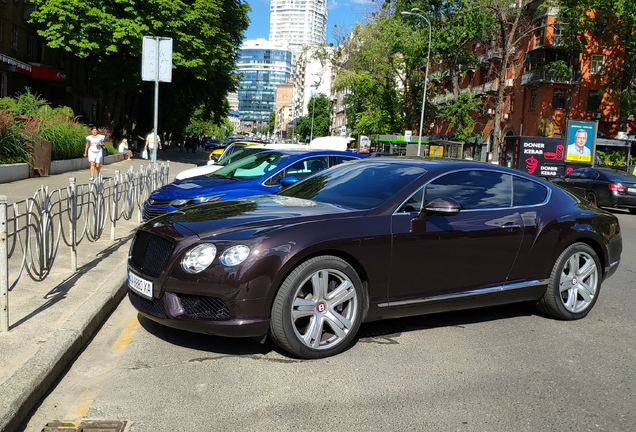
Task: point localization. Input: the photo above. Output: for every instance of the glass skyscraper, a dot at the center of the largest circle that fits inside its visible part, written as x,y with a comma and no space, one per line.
263,65
299,22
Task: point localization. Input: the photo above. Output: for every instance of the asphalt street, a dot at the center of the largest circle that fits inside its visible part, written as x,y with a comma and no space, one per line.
498,369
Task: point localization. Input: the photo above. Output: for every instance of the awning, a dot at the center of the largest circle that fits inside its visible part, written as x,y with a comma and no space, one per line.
14,62
42,72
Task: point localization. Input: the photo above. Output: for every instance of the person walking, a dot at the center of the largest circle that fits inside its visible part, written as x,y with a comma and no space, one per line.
188,143
93,149
150,145
123,149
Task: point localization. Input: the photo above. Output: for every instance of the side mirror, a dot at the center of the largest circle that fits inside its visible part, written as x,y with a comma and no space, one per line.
288,181
442,206
211,162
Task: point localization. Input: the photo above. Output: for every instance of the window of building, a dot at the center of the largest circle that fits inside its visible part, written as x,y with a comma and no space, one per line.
1,30
558,99
29,47
594,100
14,38
512,102
596,65
533,99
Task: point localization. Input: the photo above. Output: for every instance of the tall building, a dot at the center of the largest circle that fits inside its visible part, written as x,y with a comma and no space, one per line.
298,22
312,75
263,65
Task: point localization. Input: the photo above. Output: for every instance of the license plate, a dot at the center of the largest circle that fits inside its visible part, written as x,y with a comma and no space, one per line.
139,285
631,190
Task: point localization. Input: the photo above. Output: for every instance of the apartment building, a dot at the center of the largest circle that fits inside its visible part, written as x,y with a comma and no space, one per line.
535,96
298,22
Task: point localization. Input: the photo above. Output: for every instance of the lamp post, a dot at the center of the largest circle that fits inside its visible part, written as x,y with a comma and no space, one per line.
313,111
415,11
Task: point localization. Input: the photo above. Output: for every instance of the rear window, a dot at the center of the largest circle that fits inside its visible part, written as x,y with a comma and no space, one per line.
526,192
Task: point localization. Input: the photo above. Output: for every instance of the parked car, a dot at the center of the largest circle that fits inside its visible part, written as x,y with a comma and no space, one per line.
603,187
258,174
240,153
209,143
367,240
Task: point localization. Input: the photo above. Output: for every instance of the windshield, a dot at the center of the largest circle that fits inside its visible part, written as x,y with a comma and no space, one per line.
356,185
252,167
238,156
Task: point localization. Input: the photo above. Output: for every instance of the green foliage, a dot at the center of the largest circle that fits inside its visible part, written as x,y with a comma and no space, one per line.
203,125
613,158
67,137
206,34
271,124
319,109
458,111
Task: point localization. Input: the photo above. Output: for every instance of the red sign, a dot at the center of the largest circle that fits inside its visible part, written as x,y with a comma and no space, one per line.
45,73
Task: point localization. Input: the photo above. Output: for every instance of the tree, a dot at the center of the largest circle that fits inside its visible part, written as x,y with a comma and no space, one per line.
271,123
317,121
457,111
206,37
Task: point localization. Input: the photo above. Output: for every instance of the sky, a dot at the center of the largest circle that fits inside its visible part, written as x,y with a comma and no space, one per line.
343,13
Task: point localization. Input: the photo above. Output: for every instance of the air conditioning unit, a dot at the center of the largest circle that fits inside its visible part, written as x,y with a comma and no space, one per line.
505,116
596,115
510,82
489,111
630,117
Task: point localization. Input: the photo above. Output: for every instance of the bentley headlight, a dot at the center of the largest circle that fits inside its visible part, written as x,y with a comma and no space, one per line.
198,258
235,255
197,200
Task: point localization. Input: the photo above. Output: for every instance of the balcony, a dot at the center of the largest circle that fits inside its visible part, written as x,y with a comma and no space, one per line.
495,53
548,76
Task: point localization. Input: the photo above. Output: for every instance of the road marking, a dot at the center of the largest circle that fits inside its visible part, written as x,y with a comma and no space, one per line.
86,399
126,336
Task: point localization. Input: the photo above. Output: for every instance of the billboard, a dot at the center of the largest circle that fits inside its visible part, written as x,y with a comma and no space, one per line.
539,156
580,139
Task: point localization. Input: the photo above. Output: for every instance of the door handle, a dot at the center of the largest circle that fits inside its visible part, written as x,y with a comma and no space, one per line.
511,226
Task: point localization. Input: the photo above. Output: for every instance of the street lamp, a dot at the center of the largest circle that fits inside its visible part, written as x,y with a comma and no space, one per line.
415,11
313,111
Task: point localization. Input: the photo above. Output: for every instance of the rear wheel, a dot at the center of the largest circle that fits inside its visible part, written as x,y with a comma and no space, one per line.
632,210
591,197
318,309
574,284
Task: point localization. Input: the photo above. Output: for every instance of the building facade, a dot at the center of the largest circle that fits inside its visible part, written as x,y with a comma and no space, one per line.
535,96
298,22
263,65
312,77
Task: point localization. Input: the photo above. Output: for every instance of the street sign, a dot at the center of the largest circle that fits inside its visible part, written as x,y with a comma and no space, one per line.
156,59
407,135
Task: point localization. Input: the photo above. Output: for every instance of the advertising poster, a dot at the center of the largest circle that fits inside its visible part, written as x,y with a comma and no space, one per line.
580,140
436,151
541,156
365,144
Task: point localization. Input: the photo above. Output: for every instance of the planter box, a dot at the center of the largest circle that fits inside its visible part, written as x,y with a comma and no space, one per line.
13,172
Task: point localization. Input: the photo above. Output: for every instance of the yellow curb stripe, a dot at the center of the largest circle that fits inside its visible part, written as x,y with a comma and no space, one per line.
126,336
83,403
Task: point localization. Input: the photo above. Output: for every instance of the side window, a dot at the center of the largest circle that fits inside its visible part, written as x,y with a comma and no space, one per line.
301,169
575,174
413,204
341,159
473,189
527,192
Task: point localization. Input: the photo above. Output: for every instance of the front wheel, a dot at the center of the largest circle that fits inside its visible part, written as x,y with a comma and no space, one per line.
318,309
574,284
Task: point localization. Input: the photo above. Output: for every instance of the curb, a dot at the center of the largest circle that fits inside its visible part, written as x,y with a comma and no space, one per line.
31,381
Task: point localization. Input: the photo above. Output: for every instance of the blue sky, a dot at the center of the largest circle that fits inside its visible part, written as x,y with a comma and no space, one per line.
343,13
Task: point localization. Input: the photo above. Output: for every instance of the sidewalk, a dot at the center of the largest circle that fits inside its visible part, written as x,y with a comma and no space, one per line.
51,321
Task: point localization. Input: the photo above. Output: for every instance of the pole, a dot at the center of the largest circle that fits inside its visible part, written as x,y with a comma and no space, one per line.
313,111
154,151
4,267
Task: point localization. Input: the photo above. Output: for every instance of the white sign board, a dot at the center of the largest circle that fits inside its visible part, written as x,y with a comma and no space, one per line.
407,135
156,59
343,131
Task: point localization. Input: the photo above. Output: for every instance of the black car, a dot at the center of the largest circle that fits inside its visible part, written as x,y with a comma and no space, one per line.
603,187
368,240
209,143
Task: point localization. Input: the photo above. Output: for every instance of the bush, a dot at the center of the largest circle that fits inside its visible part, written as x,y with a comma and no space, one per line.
56,125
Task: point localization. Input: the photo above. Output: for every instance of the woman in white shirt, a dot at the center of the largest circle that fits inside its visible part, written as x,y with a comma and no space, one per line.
94,146
123,149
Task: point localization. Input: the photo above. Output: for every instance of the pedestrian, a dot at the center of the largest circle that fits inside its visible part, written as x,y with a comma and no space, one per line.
93,149
150,145
123,149
181,143
188,143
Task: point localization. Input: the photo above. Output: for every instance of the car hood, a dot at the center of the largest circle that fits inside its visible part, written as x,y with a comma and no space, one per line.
196,187
271,211
198,171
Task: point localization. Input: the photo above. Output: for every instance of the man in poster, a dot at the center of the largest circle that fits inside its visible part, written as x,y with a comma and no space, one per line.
580,142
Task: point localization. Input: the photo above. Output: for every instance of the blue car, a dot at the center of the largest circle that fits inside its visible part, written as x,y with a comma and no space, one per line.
258,174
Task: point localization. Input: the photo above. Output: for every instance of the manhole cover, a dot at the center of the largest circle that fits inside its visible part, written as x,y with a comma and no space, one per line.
85,426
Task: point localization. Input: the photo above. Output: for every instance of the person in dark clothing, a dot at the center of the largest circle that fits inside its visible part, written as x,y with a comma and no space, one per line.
188,143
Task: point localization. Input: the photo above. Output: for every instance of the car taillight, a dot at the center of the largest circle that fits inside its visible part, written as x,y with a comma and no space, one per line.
616,187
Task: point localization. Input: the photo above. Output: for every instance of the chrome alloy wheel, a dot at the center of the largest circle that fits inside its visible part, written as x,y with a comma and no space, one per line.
324,309
579,282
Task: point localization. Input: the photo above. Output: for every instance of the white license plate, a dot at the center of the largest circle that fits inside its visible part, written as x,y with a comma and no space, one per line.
139,285
631,190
